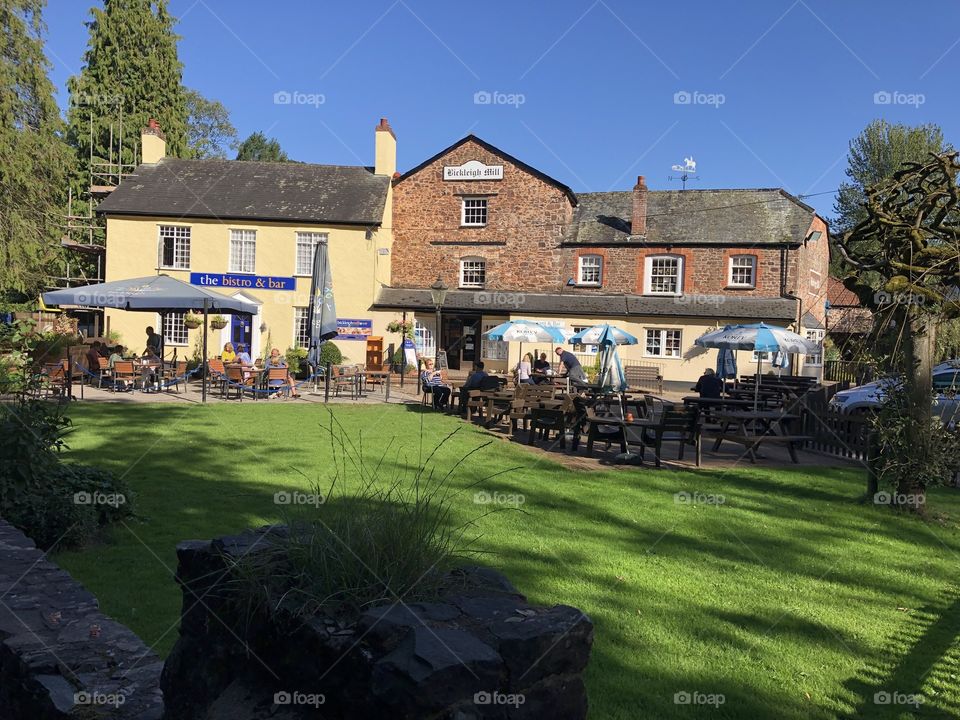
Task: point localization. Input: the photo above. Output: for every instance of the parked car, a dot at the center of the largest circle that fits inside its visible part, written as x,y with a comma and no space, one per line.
864,398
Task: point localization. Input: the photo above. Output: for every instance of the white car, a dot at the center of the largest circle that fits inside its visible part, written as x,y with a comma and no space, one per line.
946,381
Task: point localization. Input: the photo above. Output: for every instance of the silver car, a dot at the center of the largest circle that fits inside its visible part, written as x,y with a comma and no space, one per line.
864,398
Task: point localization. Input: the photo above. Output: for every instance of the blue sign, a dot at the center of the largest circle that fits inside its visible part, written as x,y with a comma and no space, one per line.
243,282
354,329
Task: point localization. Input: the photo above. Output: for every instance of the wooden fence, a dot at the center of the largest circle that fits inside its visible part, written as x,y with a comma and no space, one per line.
848,371
844,435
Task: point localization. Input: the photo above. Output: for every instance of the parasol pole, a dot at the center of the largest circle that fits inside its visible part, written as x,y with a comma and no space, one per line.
203,376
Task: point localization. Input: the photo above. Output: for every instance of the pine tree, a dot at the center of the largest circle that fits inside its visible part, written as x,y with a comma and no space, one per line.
35,162
131,74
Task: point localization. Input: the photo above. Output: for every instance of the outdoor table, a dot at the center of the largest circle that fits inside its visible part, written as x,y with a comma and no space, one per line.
377,376
755,424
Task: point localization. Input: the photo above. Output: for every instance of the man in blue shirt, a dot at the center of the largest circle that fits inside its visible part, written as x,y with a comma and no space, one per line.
474,382
574,371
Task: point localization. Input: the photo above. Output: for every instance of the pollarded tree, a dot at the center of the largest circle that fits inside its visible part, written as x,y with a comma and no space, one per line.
131,70
35,162
904,262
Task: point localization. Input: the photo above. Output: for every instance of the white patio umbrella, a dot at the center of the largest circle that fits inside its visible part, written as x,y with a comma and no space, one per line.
758,337
524,331
607,337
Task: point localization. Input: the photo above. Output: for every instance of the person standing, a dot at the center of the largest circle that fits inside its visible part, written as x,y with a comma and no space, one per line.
153,340
571,365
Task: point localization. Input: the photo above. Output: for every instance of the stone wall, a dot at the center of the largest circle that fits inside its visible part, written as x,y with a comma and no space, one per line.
60,657
478,651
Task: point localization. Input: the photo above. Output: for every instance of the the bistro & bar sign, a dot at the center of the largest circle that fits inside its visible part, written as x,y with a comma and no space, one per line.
243,282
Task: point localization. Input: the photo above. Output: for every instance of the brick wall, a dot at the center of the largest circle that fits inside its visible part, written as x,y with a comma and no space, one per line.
520,242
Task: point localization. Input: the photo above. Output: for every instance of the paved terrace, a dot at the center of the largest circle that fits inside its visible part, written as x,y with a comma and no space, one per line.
729,455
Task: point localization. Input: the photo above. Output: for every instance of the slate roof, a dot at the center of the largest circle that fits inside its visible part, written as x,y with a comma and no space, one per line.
242,190
595,305
766,216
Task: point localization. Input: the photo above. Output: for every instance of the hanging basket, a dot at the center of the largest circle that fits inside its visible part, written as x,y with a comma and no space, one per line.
192,321
217,322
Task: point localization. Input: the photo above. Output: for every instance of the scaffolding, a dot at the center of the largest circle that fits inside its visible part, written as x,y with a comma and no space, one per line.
85,233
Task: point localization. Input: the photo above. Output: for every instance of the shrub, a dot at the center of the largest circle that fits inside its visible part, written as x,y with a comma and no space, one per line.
330,354
55,503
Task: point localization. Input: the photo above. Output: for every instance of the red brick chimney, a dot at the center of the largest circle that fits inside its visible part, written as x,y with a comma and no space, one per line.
638,225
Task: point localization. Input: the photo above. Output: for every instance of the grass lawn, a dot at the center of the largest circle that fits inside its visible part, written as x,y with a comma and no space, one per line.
790,599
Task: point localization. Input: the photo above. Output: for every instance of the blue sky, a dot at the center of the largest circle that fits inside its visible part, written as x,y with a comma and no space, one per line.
585,91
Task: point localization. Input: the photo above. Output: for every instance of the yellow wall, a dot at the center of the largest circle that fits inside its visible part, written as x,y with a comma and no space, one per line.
357,267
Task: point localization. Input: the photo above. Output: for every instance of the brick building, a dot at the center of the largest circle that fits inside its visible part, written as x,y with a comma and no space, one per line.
667,266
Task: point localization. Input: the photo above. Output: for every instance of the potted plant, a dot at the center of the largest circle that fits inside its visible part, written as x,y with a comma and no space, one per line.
192,320
218,322
297,362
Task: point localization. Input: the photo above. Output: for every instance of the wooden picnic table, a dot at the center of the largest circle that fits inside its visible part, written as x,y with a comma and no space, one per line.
755,427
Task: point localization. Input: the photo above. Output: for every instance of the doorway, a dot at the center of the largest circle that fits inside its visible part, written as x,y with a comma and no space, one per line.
460,337
241,331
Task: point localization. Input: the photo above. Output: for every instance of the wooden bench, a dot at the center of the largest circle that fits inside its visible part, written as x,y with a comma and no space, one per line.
643,378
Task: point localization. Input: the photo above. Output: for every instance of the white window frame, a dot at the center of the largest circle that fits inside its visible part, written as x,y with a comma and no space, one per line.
648,274
493,349
816,336
662,343
423,340
761,356
180,235
478,206
175,333
245,242
753,271
473,285
305,238
584,349
301,327
598,268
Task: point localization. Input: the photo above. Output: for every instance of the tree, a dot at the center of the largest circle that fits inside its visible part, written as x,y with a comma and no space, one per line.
259,147
35,162
905,261
131,74
875,155
210,134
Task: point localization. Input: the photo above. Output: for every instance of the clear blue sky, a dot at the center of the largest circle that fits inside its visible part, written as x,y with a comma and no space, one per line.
797,80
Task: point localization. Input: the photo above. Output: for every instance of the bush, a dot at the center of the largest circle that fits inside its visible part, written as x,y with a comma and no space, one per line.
71,506
54,503
330,354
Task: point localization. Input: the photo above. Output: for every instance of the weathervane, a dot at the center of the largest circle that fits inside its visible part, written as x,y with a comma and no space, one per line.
688,169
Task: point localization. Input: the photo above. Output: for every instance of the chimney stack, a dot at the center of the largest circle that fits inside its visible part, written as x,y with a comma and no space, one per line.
638,225
153,143
385,151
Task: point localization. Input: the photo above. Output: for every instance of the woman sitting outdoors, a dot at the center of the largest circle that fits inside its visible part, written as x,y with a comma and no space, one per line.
433,383
276,360
523,369
228,355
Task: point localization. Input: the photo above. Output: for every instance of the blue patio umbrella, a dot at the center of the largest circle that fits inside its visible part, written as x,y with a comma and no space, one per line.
322,318
524,331
607,337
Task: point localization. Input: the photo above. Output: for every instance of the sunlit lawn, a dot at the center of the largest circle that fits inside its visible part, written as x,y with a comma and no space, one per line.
790,599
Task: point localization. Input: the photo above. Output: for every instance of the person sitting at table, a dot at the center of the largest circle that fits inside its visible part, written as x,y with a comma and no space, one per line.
116,355
541,368
433,383
150,364
574,371
243,357
228,355
524,368
474,382
709,385
276,360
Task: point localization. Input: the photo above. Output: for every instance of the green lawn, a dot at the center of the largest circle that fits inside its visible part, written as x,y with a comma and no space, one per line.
790,599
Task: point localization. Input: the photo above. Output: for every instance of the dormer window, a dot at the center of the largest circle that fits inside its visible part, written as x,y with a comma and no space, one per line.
664,275
590,270
473,212
743,271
